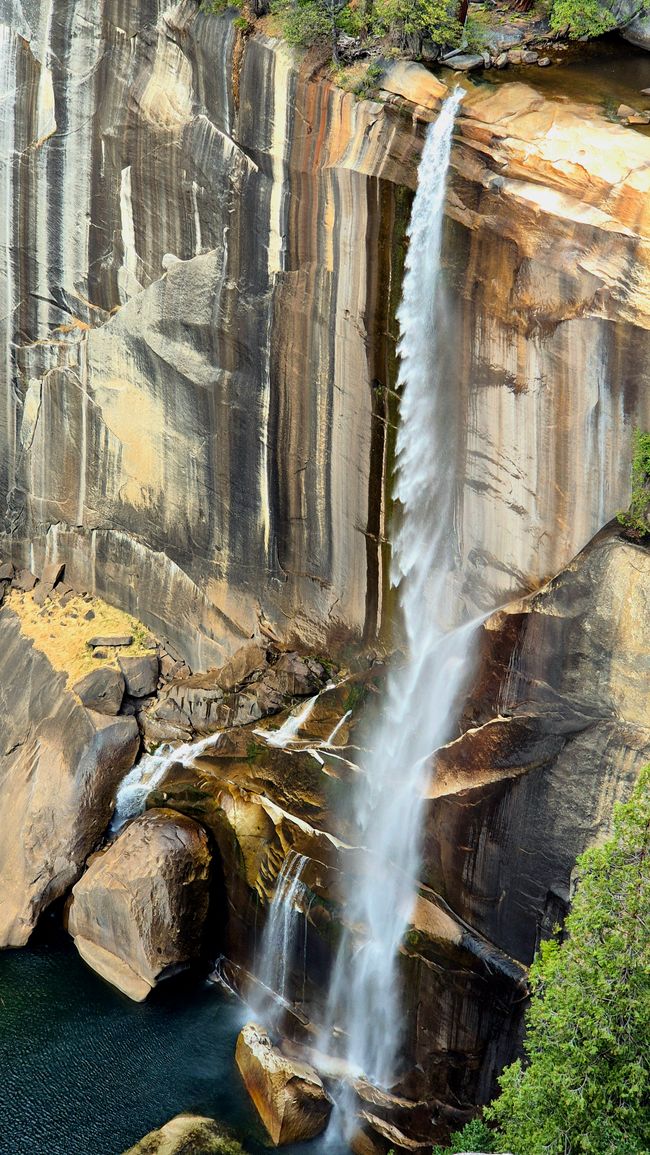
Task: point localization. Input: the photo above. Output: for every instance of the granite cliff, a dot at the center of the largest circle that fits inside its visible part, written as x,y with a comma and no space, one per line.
200,269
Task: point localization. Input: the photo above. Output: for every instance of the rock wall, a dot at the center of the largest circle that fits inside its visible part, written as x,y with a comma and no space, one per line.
200,268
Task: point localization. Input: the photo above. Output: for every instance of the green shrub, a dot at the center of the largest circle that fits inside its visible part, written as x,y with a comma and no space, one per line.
584,1086
475,1136
432,19
636,517
581,17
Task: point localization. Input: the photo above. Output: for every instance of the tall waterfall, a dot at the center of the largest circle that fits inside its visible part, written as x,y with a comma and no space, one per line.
421,694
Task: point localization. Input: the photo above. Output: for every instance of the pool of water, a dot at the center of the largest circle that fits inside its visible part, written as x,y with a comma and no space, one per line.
84,1071
606,73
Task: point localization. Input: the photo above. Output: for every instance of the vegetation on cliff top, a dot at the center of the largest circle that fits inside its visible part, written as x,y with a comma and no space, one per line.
584,1085
394,25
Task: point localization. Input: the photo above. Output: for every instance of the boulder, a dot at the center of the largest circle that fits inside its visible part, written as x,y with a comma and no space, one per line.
101,690
60,765
289,1095
140,674
137,915
467,62
249,660
6,571
53,573
187,1135
24,580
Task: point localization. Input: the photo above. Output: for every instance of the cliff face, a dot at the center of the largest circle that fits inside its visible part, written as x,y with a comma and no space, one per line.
201,264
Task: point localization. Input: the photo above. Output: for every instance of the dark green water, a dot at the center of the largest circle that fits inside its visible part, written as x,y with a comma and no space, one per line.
84,1071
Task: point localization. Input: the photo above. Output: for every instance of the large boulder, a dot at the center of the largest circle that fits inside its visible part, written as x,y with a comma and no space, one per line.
138,913
101,690
289,1096
60,765
187,1135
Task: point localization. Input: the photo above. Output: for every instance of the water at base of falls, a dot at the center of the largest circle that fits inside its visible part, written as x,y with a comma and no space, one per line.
422,695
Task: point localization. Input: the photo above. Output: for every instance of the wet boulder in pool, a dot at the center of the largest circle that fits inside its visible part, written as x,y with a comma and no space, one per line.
289,1096
138,913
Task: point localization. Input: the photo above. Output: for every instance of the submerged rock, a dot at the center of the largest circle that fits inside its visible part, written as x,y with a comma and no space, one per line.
289,1095
187,1135
138,913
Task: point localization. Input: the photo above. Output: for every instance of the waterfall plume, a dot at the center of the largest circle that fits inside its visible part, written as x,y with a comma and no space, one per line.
422,692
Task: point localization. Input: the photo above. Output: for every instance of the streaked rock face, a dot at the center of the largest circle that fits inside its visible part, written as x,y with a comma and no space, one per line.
200,269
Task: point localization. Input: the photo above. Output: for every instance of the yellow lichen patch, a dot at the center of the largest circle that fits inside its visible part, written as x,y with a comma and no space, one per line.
62,633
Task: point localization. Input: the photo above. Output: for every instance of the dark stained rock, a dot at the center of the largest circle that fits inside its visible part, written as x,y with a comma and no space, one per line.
101,690
138,913
140,674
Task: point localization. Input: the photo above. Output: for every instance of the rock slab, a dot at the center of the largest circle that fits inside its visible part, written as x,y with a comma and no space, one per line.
289,1096
138,913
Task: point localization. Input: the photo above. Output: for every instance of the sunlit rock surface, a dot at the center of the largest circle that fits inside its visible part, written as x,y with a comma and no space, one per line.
186,1135
139,911
59,767
289,1095
200,268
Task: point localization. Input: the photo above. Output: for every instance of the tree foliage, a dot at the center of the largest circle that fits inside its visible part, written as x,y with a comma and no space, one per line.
582,18
584,1088
433,19
475,1136
637,517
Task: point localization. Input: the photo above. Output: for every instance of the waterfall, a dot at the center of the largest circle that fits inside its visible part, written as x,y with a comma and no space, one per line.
280,939
149,771
422,693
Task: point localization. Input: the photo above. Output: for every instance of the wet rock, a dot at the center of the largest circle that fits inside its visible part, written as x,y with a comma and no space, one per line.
138,913
187,1135
544,61
289,1095
59,767
140,674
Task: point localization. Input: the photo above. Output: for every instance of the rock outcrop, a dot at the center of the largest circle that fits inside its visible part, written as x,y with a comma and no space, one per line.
289,1095
561,729
59,767
240,392
187,1135
138,913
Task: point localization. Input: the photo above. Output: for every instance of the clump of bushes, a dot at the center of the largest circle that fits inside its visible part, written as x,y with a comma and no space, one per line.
636,518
